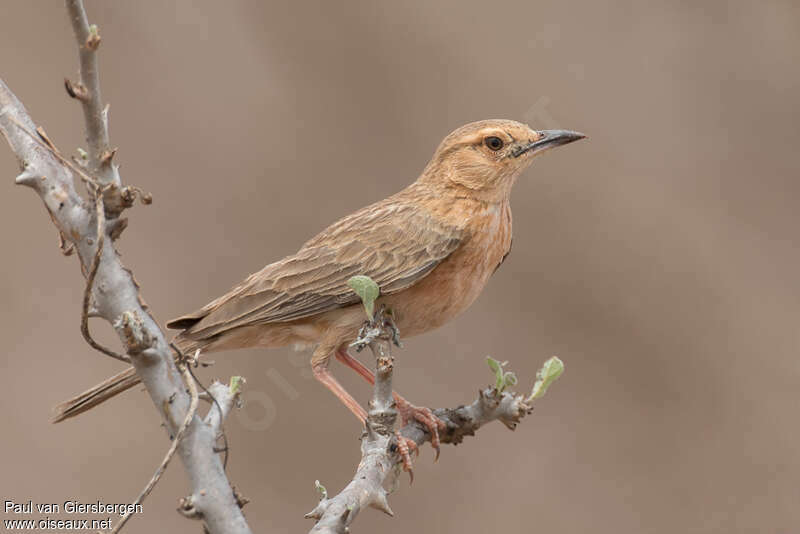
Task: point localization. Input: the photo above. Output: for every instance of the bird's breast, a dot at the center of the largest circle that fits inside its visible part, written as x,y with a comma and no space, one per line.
456,282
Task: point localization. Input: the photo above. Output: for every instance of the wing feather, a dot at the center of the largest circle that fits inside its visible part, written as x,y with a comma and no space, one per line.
393,243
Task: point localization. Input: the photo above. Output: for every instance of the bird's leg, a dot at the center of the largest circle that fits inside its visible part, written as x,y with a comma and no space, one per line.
406,410
324,375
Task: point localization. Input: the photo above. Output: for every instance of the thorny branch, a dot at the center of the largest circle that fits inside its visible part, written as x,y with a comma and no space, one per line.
112,292
381,450
189,381
87,91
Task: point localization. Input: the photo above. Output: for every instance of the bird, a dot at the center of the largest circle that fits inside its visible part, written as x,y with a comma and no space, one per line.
430,247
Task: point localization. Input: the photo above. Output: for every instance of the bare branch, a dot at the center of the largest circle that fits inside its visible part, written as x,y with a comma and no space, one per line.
95,115
114,292
90,276
189,380
222,399
381,452
380,458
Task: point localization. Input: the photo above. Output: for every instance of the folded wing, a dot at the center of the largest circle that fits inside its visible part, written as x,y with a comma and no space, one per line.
395,244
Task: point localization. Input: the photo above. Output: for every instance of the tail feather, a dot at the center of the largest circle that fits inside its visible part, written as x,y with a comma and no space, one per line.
98,394
114,385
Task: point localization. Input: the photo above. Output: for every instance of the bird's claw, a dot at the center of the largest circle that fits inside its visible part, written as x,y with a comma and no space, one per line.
425,416
404,448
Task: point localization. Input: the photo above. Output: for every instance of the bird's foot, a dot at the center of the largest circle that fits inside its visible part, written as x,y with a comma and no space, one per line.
404,448
425,416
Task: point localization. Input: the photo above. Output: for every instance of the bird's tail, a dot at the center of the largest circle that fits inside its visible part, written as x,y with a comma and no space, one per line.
100,393
113,386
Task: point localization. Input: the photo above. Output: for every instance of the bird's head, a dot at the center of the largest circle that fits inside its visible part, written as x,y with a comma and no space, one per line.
487,156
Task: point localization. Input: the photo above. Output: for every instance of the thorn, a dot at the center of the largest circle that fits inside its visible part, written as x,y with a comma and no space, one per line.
316,513
77,91
382,504
107,155
370,430
26,177
241,500
509,424
118,228
66,247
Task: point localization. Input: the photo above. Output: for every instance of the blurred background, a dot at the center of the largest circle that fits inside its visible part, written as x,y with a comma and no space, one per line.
658,259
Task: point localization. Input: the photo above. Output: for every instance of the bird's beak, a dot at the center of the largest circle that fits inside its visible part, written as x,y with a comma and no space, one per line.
548,139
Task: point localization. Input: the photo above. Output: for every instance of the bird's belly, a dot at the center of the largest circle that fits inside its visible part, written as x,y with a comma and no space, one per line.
452,286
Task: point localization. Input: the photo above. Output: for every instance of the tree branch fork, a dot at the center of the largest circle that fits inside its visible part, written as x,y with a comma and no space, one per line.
381,446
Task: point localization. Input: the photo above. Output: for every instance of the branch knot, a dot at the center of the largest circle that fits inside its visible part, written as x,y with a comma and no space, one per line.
133,333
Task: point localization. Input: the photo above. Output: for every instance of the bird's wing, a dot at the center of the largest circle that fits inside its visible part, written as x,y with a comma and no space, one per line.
393,243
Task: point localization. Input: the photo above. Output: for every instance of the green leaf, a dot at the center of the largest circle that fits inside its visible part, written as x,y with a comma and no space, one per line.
509,379
548,374
367,290
502,379
497,369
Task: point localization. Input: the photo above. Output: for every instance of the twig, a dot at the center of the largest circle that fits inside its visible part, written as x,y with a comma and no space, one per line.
94,114
189,381
90,276
49,146
380,450
380,457
381,454
223,398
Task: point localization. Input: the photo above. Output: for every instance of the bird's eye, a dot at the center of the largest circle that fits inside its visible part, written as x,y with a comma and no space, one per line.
494,143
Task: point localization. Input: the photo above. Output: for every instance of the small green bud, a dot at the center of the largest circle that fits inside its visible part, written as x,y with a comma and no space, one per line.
236,384
321,489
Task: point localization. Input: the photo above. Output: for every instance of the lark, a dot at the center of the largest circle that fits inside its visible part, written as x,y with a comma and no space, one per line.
431,248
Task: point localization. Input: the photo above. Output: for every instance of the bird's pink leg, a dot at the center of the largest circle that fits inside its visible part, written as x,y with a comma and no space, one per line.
407,410
322,374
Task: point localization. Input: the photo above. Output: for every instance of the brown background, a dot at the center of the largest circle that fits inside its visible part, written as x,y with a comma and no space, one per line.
658,259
